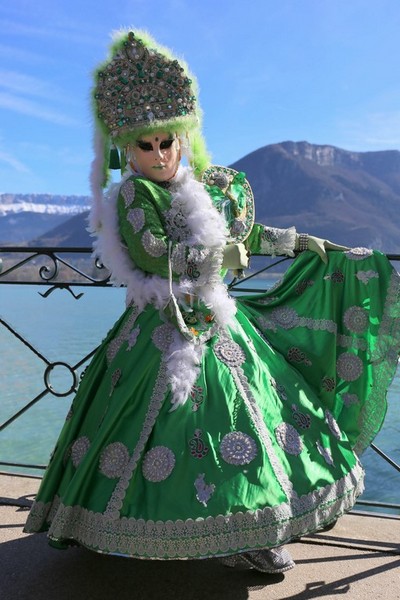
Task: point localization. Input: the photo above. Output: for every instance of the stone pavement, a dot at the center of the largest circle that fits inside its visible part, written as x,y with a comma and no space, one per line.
359,558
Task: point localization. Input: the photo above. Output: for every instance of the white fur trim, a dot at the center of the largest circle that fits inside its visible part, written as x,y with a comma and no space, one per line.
182,362
96,181
208,229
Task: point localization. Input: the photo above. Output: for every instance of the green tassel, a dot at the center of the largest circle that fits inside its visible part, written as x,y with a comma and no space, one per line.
114,158
123,162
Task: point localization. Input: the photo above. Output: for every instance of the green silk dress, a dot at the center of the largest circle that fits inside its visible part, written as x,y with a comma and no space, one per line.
205,426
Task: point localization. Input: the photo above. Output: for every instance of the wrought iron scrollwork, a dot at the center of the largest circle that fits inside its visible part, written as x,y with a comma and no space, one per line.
65,268
62,267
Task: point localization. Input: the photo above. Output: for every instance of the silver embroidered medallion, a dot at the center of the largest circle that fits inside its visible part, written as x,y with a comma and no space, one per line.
158,463
349,366
79,449
238,448
356,319
162,336
229,352
285,317
113,460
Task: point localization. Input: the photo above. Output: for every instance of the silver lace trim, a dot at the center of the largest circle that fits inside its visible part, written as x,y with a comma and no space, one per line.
384,359
287,318
159,391
269,526
124,335
176,222
178,258
276,241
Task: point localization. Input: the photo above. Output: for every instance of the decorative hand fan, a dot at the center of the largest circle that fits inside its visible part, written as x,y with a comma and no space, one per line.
233,197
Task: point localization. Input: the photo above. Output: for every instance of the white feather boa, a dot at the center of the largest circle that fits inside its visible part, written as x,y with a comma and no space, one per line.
208,229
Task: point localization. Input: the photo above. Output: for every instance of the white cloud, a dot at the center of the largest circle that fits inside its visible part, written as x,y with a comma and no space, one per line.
26,84
64,30
33,109
15,53
371,131
13,162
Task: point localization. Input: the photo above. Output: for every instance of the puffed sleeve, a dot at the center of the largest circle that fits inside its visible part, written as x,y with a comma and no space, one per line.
143,232
141,228
271,240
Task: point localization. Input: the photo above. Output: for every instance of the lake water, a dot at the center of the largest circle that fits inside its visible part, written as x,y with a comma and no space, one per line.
63,329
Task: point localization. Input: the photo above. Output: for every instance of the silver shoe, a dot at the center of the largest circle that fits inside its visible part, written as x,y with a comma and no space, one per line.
272,560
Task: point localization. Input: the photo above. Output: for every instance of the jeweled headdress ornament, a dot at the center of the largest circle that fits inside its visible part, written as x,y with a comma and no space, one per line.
142,87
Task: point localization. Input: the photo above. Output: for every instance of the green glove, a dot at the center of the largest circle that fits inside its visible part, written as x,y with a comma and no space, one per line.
235,257
318,245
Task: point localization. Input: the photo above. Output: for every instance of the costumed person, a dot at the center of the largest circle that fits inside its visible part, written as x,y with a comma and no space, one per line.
207,426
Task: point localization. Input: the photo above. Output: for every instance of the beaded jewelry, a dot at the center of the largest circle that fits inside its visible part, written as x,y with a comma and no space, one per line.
303,242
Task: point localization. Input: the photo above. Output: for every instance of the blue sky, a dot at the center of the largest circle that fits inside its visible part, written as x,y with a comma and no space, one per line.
325,71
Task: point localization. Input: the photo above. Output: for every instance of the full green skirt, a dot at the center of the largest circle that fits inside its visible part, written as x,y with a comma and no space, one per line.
266,447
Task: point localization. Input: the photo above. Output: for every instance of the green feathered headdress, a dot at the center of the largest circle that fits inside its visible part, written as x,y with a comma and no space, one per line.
142,88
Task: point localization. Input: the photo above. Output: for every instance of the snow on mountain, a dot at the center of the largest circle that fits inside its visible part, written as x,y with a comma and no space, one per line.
43,204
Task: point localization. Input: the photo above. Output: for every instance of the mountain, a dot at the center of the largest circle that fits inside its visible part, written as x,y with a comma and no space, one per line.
352,198
24,217
71,233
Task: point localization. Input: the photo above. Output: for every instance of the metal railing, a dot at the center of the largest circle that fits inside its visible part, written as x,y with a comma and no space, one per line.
67,268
